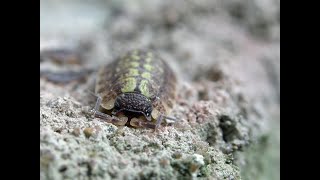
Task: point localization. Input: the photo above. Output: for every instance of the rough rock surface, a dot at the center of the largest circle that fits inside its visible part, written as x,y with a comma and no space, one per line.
226,55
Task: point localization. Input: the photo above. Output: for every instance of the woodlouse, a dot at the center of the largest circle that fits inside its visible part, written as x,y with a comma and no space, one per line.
137,89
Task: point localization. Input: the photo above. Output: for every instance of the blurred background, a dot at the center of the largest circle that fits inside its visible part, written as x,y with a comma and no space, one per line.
234,43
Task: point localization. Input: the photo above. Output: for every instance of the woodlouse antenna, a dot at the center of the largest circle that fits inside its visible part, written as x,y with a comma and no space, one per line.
98,102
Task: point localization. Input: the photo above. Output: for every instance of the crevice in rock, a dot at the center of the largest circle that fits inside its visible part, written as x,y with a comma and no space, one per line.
228,127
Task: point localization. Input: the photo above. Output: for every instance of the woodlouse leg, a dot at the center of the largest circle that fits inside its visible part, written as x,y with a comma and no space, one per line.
159,120
148,124
136,122
161,117
110,119
140,123
98,102
114,112
170,118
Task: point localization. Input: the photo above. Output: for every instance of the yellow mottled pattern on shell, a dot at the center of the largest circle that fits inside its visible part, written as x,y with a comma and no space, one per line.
146,75
143,87
148,67
132,72
129,84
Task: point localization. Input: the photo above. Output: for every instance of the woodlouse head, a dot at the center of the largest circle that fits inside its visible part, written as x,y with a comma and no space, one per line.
133,103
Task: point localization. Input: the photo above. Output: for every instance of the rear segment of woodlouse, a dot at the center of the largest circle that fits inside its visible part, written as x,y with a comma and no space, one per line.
138,84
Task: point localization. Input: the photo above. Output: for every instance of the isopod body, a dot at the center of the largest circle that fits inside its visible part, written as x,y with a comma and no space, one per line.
138,88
